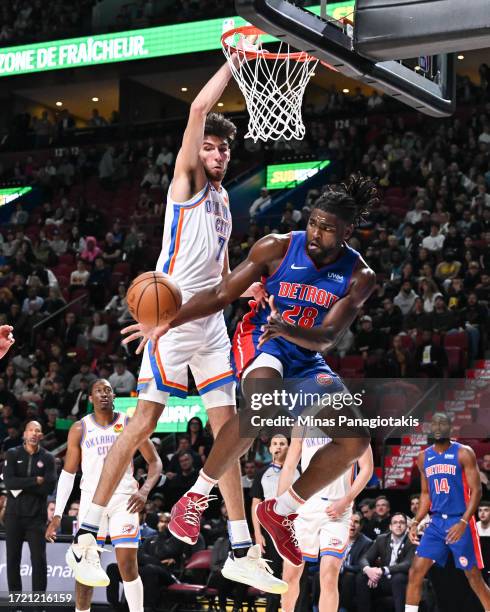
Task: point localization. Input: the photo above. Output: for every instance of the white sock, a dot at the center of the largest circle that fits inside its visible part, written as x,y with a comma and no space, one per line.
411,608
203,484
239,534
288,502
91,521
134,594
77,610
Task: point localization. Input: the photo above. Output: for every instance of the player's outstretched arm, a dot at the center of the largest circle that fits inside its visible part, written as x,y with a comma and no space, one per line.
67,478
424,503
341,316
467,459
137,501
189,176
204,303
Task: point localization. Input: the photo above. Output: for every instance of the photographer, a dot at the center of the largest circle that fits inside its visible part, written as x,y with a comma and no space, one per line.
29,474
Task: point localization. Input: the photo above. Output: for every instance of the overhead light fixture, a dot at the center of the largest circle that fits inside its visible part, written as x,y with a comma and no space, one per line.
417,68
345,90
183,89
313,74
95,99
59,103
460,57
220,104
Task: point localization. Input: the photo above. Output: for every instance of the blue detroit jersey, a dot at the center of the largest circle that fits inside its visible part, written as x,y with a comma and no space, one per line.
303,294
448,489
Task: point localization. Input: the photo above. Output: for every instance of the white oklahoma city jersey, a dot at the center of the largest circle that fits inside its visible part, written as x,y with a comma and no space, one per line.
95,444
337,489
195,239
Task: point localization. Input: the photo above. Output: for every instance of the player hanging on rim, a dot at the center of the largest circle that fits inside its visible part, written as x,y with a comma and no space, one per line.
451,491
195,254
319,284
89,441
322,526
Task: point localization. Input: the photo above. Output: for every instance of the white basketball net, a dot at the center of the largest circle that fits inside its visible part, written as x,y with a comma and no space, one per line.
273,87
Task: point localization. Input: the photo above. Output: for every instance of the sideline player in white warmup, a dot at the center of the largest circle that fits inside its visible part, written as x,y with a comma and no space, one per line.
89,442
195,254
322,526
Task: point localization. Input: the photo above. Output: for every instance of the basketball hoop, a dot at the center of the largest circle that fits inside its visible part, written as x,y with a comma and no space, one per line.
272,83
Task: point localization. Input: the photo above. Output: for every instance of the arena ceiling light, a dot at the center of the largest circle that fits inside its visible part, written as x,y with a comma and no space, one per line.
461,57
59,103
95,99
183,89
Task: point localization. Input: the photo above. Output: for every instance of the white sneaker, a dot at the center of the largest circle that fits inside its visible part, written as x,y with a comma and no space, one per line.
254,571
83,559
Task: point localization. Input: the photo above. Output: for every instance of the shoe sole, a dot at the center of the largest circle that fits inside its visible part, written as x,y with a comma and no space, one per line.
279,590
182,538
275,545
72,565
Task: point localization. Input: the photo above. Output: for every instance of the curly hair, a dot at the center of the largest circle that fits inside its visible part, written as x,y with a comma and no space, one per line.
218,125
351,201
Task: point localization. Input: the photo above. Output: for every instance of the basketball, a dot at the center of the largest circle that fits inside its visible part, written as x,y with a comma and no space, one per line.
154,298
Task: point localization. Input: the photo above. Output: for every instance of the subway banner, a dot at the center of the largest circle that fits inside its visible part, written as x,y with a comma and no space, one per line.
283,176
125,46
174,418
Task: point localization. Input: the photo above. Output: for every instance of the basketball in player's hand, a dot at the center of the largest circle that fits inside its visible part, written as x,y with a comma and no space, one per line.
154,298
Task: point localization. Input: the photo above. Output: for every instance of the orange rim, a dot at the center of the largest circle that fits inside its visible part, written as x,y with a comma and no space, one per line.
298,56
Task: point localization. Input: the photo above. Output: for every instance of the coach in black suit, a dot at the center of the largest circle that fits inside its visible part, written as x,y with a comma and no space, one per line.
351,566
385,567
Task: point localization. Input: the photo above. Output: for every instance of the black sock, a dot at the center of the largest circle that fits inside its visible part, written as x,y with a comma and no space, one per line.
81,531
239,553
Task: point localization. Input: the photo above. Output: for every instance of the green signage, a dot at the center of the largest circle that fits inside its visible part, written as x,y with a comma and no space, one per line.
9,194
282,176
124,46
174,418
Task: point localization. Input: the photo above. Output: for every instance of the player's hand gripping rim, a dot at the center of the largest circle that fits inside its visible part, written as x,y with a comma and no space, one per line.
275,326
144,333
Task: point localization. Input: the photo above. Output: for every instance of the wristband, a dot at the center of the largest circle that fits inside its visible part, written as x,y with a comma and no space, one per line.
464,520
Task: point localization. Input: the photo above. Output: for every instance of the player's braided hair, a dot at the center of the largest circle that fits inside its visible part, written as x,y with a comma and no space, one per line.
350,201
218,125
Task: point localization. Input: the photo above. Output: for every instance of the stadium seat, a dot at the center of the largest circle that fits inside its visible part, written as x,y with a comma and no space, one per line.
352,366
454,359
122,268
67,259
458,339
333,361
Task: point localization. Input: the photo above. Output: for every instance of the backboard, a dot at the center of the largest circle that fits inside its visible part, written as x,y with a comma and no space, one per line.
426,84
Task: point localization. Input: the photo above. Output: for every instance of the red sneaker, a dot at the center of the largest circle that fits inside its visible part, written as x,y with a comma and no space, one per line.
185,518
281,530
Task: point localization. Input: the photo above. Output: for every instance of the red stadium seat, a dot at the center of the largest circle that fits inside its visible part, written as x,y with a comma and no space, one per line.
352,366
333,362
122,268
454,358
67,259
458,339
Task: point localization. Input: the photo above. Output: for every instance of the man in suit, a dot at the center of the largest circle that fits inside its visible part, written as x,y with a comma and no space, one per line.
385,566
351,567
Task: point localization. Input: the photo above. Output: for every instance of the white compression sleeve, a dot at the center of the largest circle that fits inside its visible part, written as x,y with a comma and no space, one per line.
63,492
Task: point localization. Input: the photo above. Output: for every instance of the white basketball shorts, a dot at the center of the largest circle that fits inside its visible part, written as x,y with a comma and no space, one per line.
204,347
318,535
122,526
